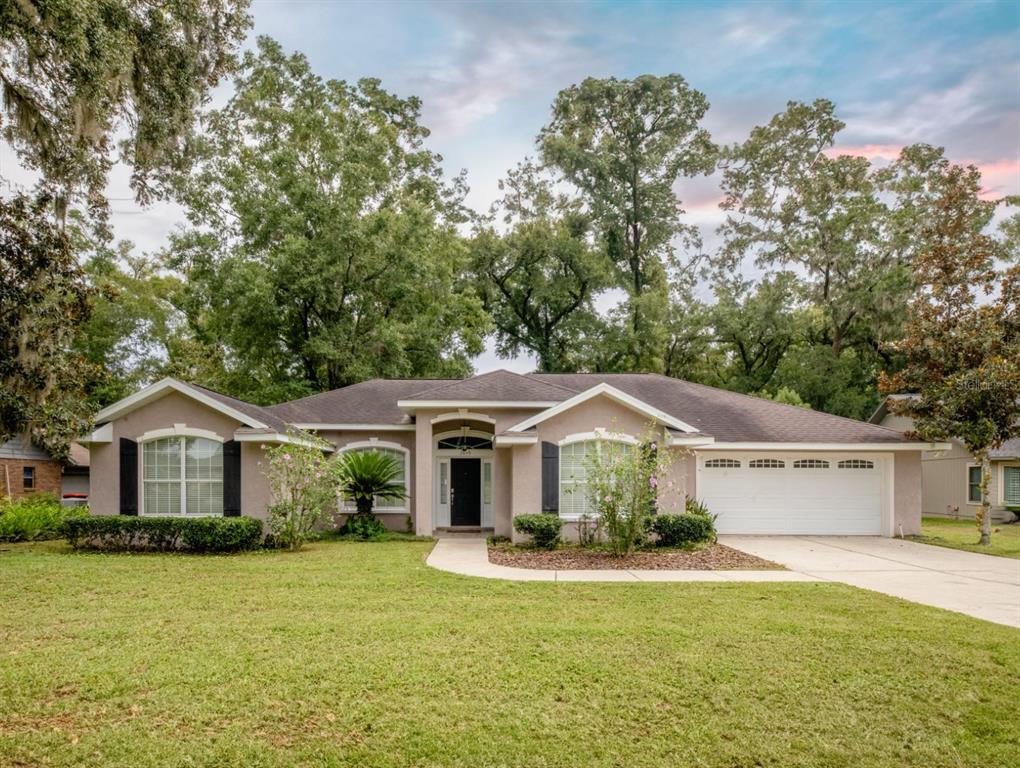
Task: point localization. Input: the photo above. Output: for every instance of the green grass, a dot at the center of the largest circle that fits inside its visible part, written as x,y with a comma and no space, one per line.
360,655
964,534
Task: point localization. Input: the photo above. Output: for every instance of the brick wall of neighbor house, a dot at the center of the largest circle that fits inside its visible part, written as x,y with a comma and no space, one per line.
47,477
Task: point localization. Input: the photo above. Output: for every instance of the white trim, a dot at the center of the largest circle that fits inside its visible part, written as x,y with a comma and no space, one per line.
872,447
462,415
1001,482
600,433
966,481
692,442
411,405
612,393
157,390
276,437
101,434
515,440
316,426
178,430
182,432
361,445
884,464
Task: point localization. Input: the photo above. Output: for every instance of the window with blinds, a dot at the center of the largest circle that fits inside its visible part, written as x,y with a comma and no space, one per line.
182,476
379,503
575,460
1011,485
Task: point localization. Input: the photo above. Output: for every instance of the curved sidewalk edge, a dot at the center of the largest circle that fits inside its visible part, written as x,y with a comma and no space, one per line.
470,557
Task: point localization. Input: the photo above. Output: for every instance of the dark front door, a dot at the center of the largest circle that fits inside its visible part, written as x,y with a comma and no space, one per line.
466,491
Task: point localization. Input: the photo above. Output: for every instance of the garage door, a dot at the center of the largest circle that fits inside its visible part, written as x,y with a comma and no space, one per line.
826,494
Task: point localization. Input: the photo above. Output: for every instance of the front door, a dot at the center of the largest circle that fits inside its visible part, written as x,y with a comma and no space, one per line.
465,491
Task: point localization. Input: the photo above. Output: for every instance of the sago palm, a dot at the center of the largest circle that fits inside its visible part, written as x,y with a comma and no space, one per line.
364,475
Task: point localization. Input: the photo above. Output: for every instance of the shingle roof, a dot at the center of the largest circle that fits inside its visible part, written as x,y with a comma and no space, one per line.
257,412
497,385
1008,450
727,416
731,416
368,402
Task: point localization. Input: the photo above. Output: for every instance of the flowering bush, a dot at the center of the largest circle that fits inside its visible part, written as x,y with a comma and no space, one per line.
623,488
304,485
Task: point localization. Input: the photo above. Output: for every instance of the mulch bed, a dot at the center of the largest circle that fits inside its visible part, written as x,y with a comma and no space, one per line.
714,557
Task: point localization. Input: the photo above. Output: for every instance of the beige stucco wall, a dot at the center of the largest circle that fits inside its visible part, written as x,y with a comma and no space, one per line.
394,521
907,493
598,413
944,479
169,410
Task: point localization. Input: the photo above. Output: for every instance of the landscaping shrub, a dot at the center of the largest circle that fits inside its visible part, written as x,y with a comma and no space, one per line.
34,517
363,527
678,530
163,534
543,529
695,507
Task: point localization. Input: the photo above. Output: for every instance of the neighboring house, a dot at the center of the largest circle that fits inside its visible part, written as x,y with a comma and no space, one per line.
951,479
479,451
26,469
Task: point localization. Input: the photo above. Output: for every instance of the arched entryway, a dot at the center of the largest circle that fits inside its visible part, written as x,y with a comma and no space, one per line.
462,479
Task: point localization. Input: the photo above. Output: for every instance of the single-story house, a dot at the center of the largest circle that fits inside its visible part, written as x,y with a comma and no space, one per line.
477,452
951,479
25,469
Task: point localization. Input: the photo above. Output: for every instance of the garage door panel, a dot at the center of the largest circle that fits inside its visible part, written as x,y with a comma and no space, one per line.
789,500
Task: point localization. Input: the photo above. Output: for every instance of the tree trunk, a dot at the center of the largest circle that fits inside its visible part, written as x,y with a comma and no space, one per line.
364,506
985,511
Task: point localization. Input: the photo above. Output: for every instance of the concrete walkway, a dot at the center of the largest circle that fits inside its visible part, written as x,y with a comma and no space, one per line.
983,586
470,557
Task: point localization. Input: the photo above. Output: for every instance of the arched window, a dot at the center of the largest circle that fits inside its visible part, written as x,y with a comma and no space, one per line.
856,464
810,464
465,443
182,475
766,464
575,458
402,457
722,464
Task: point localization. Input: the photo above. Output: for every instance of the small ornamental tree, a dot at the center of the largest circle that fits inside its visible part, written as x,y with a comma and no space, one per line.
962,343
303,482
366,475
624,483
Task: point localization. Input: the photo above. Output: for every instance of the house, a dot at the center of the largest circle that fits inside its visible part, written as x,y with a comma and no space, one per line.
26,469
951,479
478,451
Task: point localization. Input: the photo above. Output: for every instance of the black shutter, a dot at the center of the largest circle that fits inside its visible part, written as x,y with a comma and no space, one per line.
550,477
128,477
231,479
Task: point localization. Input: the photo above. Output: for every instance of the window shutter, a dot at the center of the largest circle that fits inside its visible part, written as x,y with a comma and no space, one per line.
128,477
231,479
550,477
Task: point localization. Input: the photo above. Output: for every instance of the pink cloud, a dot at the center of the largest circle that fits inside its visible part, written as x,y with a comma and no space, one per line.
869,151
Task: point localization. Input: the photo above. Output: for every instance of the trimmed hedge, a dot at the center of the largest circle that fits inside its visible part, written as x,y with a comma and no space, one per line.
163,534
678,530
544,529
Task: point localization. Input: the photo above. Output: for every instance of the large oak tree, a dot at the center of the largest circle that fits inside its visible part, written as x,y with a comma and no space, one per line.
624,144
324,250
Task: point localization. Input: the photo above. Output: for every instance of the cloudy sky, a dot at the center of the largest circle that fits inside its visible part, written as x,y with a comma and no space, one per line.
943,73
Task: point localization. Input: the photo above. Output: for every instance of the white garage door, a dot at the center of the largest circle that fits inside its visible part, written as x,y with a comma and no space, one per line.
786,493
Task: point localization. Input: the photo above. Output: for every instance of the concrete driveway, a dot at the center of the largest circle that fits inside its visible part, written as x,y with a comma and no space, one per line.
979,585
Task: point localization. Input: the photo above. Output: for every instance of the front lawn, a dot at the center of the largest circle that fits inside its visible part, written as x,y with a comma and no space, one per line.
964,534
360,655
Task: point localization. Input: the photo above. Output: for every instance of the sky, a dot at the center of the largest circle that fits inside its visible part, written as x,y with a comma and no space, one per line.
944,73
